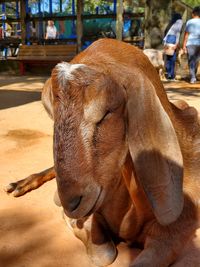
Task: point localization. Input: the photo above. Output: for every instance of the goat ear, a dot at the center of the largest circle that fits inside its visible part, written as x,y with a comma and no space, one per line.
47,97
155,150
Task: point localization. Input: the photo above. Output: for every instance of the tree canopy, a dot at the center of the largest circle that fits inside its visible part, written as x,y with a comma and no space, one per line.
192,3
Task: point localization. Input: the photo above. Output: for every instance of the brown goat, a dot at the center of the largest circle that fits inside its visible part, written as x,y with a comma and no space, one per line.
127,161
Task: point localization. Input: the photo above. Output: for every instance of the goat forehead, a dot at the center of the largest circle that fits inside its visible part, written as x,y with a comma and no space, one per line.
65,71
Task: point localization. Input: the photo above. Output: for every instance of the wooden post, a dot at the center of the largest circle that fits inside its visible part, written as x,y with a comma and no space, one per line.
79,24
73,7
115,6
74,20
41,31
4,17
50,7
60,3
119,19
23,16
17,16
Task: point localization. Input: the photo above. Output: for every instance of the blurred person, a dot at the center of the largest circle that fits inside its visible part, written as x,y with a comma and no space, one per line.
191,43
171,43
8,30
51,31
33,29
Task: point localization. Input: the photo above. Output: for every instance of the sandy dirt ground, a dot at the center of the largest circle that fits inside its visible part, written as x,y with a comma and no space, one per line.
32,231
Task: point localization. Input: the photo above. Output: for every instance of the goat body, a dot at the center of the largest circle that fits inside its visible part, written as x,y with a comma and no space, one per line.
126,159
156,58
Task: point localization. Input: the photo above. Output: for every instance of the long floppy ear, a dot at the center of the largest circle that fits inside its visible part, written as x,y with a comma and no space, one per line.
155,150
47,97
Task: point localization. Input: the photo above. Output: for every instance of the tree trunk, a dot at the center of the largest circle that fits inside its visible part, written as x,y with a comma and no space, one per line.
157,16
119,20
23,23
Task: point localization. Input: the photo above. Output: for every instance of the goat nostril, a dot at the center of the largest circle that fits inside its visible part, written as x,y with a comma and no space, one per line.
74,203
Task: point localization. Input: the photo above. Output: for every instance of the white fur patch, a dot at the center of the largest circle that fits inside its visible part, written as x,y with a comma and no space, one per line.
65,71
87,131
67,220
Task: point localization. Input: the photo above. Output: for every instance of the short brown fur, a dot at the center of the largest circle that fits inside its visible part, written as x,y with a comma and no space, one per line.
128,170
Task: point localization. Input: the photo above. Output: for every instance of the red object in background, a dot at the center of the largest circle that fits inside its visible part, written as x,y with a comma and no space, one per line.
1,33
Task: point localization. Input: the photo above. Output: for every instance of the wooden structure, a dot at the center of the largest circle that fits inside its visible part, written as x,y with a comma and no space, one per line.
24,18
38,50
44,55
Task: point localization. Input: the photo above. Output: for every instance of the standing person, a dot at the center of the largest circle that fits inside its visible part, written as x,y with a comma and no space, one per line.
191,43
51,32
171,42
8,30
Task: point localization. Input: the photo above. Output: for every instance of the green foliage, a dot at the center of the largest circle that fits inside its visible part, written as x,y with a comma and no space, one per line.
90,5
192,3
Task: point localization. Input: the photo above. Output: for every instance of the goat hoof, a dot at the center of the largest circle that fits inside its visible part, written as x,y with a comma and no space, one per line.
10,188
19,188
102,255
16,189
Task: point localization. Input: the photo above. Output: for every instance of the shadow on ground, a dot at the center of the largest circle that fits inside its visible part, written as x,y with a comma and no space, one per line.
12,98
18,227
6,80
29,240
184,92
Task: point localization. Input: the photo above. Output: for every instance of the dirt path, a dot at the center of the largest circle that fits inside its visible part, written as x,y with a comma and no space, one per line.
32,231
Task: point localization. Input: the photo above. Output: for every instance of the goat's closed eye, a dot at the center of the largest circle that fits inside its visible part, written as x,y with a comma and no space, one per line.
107,113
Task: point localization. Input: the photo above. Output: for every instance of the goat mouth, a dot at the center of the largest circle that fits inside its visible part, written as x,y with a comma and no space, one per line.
83,210
96,204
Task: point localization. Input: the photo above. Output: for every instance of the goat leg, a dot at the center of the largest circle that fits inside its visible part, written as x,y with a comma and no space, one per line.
163,244
155,254
31,182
